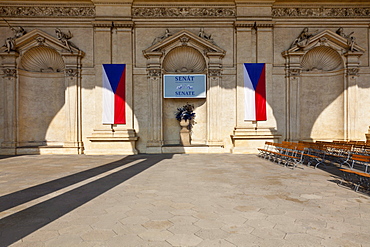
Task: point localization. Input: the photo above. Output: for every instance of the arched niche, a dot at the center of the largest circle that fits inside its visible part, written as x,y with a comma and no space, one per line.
321,78
184,60
42,79
183,52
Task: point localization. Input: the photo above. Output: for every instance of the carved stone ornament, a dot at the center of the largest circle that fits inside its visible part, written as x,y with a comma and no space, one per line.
166,34
52,11
64,39
40,41
205,36
303,38
71,72
10,73
184,40
214,72
353,71
294,72
154,72
182,12
321,12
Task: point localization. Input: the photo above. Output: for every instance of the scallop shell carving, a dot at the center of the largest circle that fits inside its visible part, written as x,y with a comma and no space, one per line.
184,59
42,59
322,58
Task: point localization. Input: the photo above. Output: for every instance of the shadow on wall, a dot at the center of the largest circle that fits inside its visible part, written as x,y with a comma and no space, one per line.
41,111
27,221
41,118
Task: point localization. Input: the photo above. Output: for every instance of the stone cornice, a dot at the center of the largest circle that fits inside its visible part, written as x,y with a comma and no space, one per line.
112,3
318,12
182,4
252,24
48,10
183,12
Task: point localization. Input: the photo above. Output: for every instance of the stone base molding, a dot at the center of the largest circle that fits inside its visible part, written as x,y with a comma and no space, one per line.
112,142
248,140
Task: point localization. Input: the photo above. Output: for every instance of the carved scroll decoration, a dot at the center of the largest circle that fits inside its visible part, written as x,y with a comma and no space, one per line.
321,12
10,73
45,11
353,71
182,12
154,73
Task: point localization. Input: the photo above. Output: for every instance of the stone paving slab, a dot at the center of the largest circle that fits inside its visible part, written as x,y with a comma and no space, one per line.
175,200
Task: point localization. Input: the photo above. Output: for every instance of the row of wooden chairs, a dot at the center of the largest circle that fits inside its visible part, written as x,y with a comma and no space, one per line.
355,155
287,153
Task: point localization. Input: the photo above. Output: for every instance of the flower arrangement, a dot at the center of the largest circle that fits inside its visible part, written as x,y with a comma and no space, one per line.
185,112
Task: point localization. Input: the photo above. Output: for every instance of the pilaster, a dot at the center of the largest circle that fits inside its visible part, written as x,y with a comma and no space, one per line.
350,96
112,45
214,104
155,138
254,45
73,130
9,83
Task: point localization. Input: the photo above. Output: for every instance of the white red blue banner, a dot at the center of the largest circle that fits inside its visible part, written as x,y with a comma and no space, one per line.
114,90
255,91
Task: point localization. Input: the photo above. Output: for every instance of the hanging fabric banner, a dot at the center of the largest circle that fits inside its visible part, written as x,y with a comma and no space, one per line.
255,91
114,90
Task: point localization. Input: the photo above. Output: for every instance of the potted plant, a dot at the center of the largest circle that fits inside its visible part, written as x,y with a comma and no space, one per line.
185,115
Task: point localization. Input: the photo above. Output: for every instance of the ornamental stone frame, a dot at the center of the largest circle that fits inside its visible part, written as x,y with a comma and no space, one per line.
155,55
10,65
295,68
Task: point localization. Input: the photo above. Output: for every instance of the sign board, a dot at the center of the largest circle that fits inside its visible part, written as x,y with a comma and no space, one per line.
184,86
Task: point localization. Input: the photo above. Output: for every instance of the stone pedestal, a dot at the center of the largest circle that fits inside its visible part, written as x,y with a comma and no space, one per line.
185,133
111,142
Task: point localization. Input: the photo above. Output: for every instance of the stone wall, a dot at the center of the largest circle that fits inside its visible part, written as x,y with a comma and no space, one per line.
303,102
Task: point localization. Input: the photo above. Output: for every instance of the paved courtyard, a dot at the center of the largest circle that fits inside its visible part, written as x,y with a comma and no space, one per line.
175,200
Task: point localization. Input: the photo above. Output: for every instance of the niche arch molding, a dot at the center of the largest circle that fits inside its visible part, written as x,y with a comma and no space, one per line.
67,63
179,43
323,54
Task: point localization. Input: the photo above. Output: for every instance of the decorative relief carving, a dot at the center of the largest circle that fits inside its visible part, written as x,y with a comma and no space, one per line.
71,72
353,71
182,12
303,38
64,39
51,11
184,40
40,41
42,59
320,12
184,59
351,41
214,72
322,58
10,73
294,72
166,34
154,72
205,36
10,41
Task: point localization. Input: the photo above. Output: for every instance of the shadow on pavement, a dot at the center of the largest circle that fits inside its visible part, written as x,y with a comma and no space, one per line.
6,156
23,223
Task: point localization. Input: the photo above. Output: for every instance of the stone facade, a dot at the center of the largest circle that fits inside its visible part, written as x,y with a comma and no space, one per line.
317,73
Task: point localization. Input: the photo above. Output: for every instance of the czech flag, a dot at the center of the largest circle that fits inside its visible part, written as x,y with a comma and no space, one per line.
114,90
255,91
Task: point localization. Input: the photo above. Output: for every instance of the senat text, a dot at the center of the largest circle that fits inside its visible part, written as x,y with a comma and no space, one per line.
184,78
